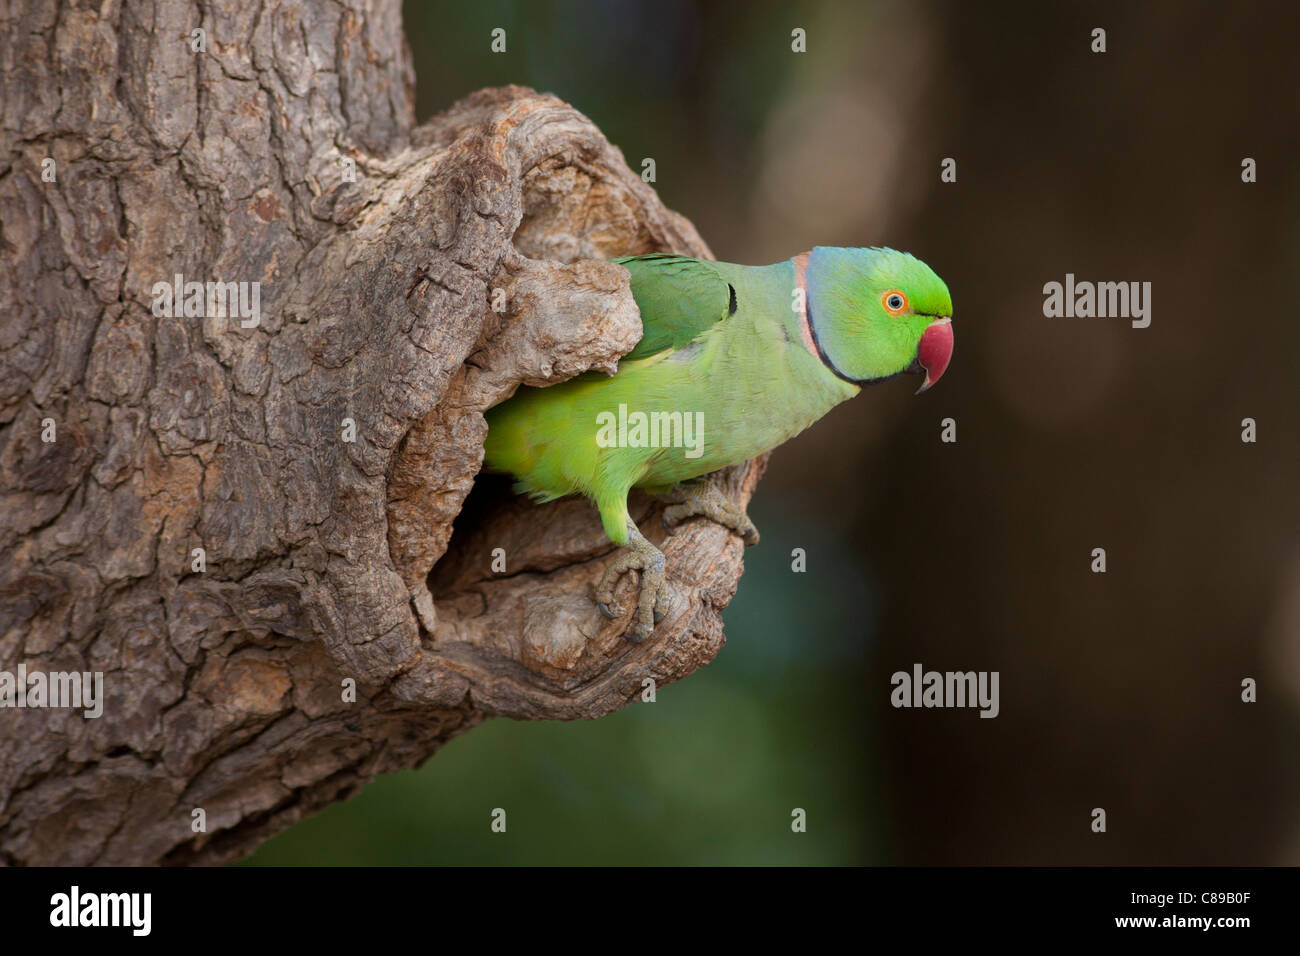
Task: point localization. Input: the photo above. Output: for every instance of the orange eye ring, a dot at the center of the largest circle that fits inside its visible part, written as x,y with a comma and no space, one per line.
894,301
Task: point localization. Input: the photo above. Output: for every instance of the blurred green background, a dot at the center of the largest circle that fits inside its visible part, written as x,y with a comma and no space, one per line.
1118,690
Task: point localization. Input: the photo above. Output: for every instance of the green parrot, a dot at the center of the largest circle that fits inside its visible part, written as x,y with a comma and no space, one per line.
733,361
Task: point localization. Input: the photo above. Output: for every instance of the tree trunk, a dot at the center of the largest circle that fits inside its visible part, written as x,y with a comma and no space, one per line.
318,457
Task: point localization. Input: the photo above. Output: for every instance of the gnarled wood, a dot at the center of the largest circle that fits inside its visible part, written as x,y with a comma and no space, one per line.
326,559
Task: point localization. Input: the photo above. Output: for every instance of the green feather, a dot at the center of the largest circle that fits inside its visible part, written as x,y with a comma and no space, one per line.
679,298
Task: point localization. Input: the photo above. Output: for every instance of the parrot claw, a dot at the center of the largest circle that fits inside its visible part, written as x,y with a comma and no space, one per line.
652,603
703,499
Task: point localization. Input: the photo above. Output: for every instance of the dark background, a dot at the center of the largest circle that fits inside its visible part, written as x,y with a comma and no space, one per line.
1118,690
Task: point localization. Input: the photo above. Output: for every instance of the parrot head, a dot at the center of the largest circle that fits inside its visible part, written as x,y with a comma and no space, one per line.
877,313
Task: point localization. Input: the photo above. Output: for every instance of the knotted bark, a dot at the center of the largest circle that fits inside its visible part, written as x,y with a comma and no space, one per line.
320,457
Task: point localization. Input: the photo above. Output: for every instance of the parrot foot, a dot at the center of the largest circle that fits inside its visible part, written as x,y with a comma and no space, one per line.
704,499
652,605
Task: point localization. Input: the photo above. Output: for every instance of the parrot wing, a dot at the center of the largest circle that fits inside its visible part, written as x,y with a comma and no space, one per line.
679,297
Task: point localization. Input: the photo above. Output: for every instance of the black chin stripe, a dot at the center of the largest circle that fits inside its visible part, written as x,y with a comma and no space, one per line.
821,352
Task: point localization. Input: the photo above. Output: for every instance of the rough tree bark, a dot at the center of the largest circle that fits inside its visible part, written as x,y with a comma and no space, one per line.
326,559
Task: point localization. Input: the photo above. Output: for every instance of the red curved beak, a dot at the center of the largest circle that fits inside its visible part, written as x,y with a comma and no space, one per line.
934,351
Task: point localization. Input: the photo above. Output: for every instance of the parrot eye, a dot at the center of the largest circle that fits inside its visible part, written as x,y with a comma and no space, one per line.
895,302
